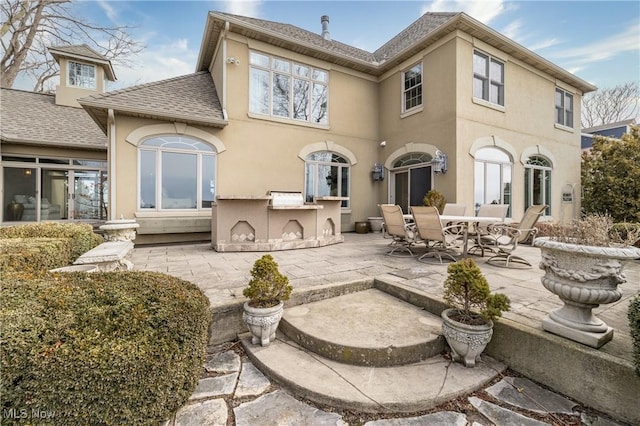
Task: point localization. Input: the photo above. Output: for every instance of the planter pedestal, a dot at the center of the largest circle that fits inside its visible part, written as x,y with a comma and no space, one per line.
262,322
583,277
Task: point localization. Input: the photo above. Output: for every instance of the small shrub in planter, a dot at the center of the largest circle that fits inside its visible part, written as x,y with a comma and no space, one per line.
268,286
111,348
81,236
634,324
435,199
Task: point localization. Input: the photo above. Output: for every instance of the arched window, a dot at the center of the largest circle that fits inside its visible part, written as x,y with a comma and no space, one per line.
492,178
176,173
327,174
537,183
411,179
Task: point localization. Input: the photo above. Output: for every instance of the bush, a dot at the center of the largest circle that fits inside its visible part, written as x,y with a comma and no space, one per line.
435,199
81,236
634,324
33,255
104,348
268,286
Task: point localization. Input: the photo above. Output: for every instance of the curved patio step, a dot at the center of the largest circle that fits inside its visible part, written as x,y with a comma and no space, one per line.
407,388
369,328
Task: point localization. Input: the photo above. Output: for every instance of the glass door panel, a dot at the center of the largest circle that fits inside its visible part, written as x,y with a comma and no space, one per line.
420,184
55,195
402,190
88,195
20,194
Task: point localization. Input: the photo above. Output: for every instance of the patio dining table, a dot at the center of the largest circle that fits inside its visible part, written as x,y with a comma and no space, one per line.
468,220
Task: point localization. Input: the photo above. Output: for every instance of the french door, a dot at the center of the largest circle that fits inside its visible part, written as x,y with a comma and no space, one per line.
409,186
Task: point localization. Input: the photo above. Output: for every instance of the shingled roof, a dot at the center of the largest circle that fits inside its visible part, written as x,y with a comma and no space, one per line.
34,118
190,98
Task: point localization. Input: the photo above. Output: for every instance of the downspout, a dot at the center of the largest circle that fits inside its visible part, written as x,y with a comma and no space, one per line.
111,158
224,70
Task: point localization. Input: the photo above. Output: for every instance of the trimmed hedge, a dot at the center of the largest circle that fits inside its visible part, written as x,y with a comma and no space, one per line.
33,255
634,324
81,235
104,348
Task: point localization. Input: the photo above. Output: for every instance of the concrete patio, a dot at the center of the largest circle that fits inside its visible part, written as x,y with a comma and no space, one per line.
362,261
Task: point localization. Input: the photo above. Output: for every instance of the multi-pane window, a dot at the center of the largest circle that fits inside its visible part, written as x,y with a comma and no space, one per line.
82,75
412,87
537,183
327,174
564,108
492,180
282,88
488,78
176,172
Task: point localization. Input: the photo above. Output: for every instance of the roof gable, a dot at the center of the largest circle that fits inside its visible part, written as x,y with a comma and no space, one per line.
190,98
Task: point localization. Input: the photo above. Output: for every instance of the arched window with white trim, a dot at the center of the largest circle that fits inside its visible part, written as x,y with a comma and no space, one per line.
492,178
327,174
537,183
176,172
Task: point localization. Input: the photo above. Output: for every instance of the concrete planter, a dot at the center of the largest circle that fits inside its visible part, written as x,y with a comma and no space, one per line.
262,322
375,223
583,277
466,341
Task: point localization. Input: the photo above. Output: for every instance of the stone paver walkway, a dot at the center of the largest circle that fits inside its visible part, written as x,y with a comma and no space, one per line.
234,392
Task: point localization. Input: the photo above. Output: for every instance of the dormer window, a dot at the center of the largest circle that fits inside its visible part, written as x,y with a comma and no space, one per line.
82,75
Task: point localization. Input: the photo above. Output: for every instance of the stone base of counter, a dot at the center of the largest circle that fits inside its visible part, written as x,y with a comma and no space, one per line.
277,245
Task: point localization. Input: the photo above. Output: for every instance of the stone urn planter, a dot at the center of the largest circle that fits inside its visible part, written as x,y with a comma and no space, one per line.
583,277
262,322
468,325
466,341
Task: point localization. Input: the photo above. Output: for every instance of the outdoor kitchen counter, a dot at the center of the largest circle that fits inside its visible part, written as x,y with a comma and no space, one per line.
280,221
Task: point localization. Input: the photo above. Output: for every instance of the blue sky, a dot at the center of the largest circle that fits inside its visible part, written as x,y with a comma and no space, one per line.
599,41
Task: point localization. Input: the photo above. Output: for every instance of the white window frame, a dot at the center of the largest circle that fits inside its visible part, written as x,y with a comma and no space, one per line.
292,70
567,113
532,164
504,165
81,80
488,82
158,167
417,86
341,166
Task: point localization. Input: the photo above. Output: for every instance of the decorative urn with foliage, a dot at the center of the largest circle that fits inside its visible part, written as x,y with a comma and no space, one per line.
267,291
435,199
468,326
583,264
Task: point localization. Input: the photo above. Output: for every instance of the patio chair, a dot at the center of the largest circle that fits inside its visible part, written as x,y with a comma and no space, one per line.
451,209
504,239
441,241
402,234
485,210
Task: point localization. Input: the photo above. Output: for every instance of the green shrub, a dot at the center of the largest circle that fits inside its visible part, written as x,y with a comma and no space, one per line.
33,255
435,199
107,348
268,286
634,324
81,235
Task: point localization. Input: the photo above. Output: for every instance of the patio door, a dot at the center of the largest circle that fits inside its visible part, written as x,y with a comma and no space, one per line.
88,194
409,186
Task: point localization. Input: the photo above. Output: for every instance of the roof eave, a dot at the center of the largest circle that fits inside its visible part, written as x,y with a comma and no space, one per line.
106,64
91,107
16,140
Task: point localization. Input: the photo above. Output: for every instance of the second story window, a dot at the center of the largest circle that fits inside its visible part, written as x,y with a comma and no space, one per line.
564,108
488,78
82,75
286,89
412,88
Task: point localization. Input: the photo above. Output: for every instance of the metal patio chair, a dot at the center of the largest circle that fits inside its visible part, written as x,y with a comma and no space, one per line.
441,241
402,234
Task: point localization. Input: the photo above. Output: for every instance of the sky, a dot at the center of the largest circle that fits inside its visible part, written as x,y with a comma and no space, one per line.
599,41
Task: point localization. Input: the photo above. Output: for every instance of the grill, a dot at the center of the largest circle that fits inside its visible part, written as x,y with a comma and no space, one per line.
286,198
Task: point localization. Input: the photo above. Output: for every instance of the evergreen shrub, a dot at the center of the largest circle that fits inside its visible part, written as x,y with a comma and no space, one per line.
33,255
81,235
105,348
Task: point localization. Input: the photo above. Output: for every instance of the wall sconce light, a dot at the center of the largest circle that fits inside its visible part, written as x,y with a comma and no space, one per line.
377,172
383,144
439,162
232,60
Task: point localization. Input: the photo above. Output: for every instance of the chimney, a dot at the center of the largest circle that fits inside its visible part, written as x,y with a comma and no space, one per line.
324,20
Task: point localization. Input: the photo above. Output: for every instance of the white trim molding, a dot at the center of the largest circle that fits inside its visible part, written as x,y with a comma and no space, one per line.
328,146
537,150
135,137
407,149
492,141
